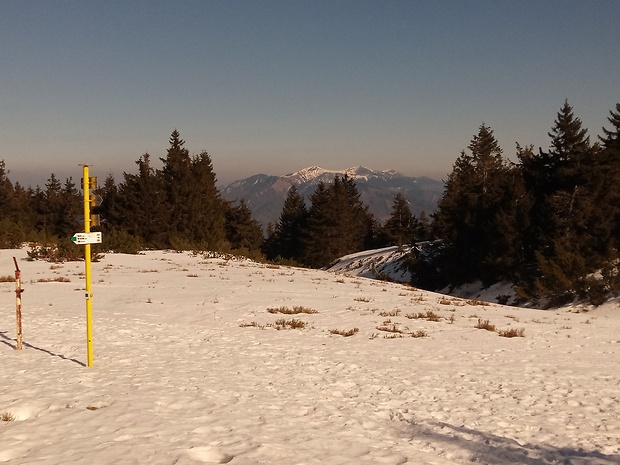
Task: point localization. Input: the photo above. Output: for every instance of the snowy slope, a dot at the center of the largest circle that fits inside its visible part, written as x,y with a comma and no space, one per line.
190,369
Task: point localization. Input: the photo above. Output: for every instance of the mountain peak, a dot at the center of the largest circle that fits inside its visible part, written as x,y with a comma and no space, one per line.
308,174
266,194
356,172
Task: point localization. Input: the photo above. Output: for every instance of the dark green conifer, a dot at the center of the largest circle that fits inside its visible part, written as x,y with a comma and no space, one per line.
243,231
467,215
285,241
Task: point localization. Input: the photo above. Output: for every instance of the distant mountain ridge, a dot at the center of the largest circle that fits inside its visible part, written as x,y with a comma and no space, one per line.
265,194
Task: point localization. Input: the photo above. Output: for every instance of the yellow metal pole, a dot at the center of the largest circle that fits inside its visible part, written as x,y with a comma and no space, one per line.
88,278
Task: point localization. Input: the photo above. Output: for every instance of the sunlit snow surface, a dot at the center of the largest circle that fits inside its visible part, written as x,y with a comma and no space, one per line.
188,370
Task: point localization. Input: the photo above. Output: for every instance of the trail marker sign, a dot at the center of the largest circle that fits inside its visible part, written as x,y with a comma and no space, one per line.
87,238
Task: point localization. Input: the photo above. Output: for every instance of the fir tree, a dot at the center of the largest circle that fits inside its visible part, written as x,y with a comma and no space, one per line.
402,227
338,223
14,212
177,184
207,219
285,241
467,215
243,231
141,209
563,184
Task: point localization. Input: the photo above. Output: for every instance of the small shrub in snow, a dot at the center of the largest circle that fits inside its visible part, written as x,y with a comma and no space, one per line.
391,313
7,416
59,279
419,333
7,279
348,333
293,324
428,315
296,310
485,324
390,329
253,324
362,299
514,332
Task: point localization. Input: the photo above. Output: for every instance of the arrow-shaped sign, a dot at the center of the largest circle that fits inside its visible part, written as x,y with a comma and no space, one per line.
87,238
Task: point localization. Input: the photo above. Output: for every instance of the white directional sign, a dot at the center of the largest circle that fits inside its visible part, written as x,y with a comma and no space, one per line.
87,238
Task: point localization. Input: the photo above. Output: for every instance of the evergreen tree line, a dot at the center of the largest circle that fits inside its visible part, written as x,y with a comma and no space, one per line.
175,207
178,206
549,222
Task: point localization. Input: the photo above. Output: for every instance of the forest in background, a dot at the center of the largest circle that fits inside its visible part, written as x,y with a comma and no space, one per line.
549,223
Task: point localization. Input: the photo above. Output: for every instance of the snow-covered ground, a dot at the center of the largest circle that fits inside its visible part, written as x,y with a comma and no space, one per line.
189,368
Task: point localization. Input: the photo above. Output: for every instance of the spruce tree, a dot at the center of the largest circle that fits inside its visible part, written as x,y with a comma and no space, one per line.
402,226
177,184
14,211
141,209
607,198
338,223
467,215
243,231
285,241
563,184
206,206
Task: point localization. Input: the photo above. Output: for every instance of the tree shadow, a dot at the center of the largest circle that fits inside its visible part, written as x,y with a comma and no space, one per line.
492,449
13,345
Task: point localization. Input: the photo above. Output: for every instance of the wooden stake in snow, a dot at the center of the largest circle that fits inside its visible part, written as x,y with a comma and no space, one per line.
18,304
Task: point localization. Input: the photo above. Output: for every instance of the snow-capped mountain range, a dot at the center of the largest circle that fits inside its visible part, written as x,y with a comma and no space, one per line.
265,194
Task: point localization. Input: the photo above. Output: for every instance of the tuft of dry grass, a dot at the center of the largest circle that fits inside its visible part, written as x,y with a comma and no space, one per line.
7,416
362,299
419,333
292,324
7,279
477,302
295,311
348,333
485,324
59,279
428,315
391,313
514,332
390,329
253,324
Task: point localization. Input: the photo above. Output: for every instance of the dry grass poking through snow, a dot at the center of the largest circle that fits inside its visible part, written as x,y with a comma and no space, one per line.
348,333
514,332
429,315
7,416
485,324
59,279
279,324
295,311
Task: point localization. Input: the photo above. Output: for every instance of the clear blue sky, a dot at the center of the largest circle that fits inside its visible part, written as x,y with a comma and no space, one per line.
271,86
